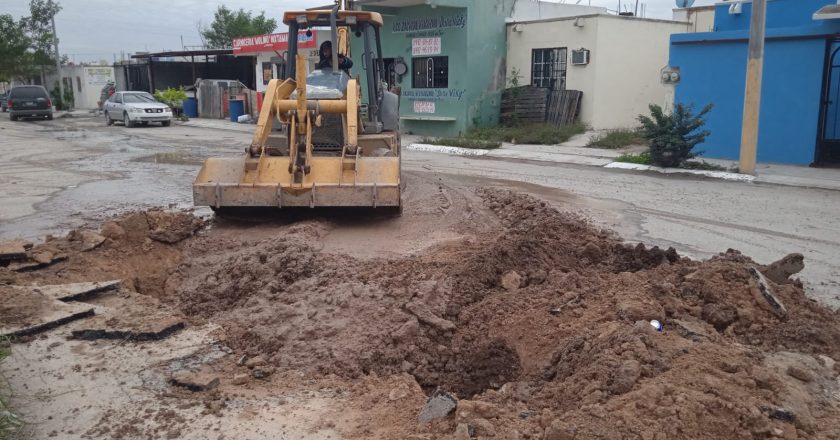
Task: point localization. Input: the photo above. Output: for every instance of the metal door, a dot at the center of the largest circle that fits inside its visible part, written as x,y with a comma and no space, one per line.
828,141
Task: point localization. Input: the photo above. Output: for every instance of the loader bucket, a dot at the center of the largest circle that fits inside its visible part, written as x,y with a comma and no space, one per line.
266,182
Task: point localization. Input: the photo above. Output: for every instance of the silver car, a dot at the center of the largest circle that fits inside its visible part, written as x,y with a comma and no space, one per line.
134,108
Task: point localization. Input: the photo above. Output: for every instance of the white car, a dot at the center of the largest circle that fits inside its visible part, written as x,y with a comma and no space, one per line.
136,107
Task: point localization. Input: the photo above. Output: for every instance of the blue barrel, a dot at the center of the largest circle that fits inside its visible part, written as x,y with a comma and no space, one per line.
191,107
237,109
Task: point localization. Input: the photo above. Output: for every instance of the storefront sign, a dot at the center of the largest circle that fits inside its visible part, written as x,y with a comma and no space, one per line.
271,42
424,107
458,21
434,94
425,46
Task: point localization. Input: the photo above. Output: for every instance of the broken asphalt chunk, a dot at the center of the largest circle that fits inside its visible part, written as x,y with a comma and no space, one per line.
74,291
13,251
33,266
155,333
762,291
439,405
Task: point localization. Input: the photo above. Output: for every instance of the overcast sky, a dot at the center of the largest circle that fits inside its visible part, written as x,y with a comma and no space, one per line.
91,30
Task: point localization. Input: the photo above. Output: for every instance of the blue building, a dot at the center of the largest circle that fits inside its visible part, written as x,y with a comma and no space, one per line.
800,95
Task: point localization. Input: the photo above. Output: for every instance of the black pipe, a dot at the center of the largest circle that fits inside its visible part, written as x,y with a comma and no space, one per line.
380,63
373,98
334,36
293,50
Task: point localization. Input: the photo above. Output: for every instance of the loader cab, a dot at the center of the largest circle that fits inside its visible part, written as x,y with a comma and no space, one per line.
382,110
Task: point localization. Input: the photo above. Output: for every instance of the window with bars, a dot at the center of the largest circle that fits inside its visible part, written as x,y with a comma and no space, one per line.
548,68
430,73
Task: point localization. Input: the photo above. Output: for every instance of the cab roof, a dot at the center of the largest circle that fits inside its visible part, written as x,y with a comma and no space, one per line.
322,17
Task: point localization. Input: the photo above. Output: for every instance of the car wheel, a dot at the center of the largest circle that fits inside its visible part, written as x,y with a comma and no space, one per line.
50,117
166,123
127,122
13,118
108,120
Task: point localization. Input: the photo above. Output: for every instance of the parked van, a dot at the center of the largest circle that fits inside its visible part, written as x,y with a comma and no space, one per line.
29,101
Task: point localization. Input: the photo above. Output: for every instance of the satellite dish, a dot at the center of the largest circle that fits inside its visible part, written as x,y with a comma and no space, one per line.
684,3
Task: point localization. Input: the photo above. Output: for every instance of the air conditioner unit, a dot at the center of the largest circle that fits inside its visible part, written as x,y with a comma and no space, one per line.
580,57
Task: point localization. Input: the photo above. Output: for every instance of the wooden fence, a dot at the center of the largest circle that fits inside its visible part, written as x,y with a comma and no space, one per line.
528,105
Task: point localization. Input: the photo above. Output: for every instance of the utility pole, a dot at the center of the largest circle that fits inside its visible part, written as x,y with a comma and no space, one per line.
57,58
752,89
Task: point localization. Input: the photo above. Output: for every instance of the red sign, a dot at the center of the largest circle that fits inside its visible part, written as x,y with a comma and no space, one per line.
271,42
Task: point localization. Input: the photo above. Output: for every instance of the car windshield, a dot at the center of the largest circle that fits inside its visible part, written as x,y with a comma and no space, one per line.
137,98
28,93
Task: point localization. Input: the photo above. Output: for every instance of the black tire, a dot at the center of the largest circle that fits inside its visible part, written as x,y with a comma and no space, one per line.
13,118
50,117
108,120
166,123
127,122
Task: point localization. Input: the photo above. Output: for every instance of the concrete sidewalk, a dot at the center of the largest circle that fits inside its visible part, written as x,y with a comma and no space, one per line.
219,124
576,152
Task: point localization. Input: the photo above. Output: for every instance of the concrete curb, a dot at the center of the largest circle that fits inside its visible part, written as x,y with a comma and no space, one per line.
723,175
457,151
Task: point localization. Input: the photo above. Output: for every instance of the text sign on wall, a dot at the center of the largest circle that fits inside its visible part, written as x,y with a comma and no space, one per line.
99,76
434,94
424,107
430,23
271,42
425,46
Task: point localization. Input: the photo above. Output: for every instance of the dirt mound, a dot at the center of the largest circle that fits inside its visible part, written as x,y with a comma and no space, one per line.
544,324
141,247
547,321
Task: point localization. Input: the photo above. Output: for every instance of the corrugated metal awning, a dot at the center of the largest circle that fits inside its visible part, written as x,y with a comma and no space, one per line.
827,12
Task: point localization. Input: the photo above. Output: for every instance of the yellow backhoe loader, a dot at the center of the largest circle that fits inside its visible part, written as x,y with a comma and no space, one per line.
316,144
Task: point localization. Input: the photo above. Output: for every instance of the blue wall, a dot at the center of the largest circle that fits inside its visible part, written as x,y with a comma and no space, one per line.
713,70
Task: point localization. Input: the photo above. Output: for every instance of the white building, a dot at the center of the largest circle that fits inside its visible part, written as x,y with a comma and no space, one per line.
618,65
85,81
701,18
530,10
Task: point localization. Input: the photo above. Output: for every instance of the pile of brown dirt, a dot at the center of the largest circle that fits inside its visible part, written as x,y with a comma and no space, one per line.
541,328
545,324
141,248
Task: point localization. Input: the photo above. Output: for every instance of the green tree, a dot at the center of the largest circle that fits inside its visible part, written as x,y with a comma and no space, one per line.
14,46
39,28
672,136
228,24
26,45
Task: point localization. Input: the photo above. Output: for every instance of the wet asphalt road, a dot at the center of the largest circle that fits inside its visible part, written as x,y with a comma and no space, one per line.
56,175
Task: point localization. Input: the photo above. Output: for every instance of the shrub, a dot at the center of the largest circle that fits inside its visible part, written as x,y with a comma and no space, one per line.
673,136
542,134
172,97
461,142
615,139
642,158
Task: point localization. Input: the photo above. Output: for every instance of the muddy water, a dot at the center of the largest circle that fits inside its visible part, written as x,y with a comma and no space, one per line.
100,171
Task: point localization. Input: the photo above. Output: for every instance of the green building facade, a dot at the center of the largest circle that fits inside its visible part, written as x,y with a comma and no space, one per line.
454,57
